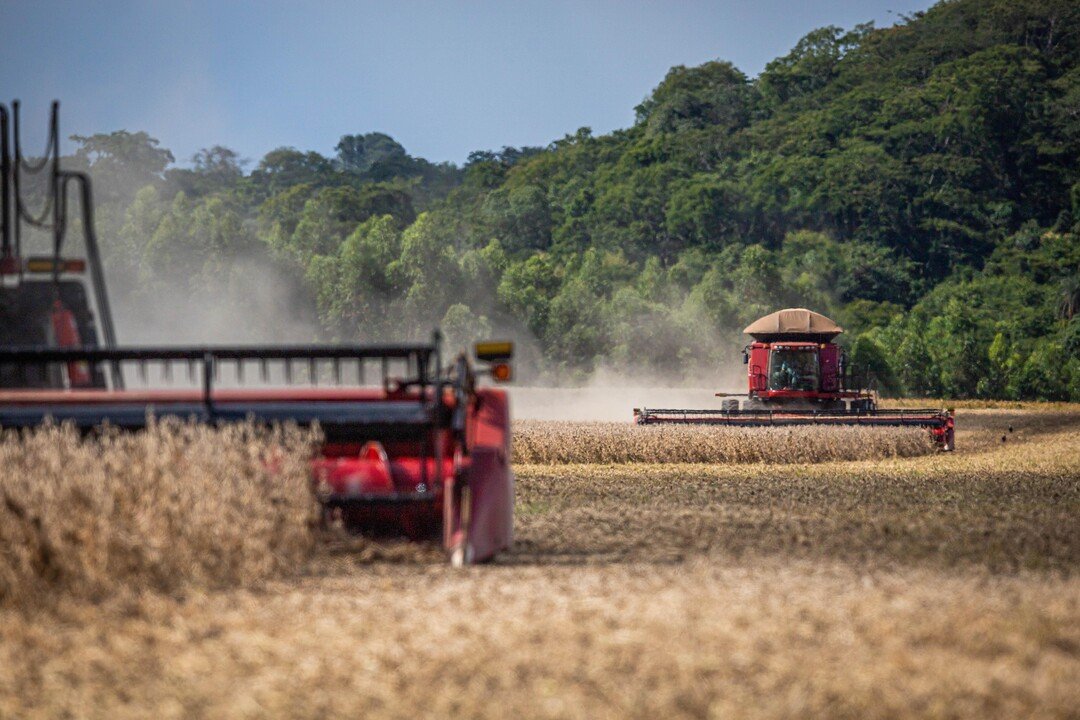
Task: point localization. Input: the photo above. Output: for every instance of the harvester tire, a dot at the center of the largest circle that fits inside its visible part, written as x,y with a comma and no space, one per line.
729,406
862,406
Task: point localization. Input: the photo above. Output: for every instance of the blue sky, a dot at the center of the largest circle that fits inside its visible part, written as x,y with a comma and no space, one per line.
443,78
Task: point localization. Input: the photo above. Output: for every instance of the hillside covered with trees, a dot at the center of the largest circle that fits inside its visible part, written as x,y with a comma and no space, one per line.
918,183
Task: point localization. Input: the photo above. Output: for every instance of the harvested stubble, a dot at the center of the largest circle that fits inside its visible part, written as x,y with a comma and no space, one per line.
553,443
702,639
174,506
1008,508
943,586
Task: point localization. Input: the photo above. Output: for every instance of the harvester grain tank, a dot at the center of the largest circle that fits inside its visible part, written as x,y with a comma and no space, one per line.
412,446
798,375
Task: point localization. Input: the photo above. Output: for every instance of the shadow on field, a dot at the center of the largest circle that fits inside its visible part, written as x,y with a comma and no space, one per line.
337,552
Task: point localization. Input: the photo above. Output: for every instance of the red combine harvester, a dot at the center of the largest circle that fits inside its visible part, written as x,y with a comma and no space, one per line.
421,451
797,375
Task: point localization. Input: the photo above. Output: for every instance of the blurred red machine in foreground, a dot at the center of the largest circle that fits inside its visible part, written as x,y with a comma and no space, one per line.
413,446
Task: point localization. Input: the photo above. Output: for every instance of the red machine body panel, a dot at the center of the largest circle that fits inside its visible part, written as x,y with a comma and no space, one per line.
392,473
758,367
490,526
829,357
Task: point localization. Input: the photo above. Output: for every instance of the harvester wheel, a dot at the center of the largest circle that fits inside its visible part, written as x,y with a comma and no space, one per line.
729,406
862,405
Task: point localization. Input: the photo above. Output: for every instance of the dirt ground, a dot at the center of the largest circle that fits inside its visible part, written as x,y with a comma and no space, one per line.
935,586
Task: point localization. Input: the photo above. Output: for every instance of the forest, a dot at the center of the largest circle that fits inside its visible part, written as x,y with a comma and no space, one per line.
918,183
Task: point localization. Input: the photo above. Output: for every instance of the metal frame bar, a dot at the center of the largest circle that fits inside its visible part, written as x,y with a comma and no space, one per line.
368,499
919,417
35,354
93,255
430,385
211,357
5,187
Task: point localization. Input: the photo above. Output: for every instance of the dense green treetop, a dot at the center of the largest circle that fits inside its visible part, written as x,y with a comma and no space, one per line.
920,183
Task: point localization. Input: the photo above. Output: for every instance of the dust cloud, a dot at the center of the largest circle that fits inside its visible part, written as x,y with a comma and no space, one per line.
599,402
611,396
258,303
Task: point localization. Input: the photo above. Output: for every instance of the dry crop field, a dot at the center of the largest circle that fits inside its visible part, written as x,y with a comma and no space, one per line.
545,442
724,582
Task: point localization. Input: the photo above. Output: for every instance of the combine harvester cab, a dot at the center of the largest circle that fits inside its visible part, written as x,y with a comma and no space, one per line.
798,375
411,447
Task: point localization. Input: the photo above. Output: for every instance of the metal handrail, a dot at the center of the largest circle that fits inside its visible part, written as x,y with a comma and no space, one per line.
919,416
763,413
33,353
209,357
6,219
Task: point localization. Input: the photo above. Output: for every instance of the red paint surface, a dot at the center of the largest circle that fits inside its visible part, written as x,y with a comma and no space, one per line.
66,331
193,395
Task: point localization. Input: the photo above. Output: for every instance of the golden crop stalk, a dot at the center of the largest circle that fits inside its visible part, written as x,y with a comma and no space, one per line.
173,506
548,442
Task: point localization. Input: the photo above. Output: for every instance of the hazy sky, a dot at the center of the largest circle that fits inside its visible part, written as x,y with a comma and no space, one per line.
443,78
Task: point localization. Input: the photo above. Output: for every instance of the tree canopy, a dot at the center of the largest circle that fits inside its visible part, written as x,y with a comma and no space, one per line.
918,182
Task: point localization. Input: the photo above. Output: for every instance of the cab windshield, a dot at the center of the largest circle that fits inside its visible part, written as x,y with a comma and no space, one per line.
793,369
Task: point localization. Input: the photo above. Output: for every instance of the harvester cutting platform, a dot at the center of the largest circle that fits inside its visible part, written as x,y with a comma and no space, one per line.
798,375
412,447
